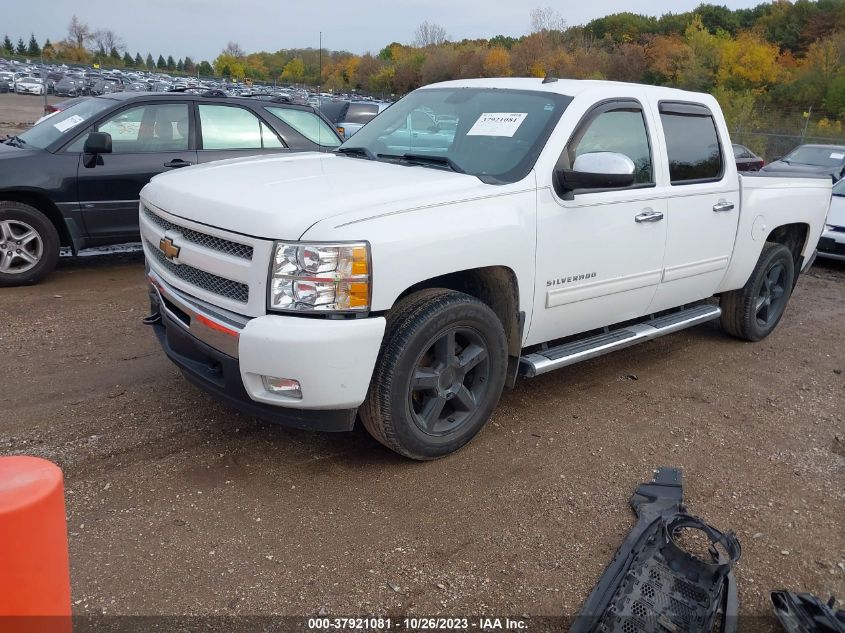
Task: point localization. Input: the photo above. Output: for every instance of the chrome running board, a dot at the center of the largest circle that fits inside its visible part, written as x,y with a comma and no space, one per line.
542,361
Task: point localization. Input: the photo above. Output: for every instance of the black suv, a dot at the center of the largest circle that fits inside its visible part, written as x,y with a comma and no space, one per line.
74,179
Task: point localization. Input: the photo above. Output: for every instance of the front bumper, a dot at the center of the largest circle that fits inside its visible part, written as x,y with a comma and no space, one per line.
832,244
333,360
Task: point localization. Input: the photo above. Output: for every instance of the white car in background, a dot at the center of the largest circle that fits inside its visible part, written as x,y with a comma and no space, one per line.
832,242
29,86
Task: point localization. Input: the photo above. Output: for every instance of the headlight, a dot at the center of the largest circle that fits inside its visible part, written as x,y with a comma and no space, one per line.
320,277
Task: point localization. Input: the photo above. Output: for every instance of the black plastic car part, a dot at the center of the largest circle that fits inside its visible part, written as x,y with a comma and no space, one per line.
805,613
655,583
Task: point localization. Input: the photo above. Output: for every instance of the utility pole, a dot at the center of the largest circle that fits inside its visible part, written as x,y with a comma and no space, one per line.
44,81
320,67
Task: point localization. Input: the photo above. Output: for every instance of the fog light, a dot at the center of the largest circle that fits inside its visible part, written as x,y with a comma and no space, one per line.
287,387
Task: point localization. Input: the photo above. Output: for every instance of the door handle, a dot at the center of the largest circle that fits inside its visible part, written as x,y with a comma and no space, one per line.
177,162
723,205
649,215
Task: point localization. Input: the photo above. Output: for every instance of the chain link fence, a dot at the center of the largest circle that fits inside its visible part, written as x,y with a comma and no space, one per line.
772,133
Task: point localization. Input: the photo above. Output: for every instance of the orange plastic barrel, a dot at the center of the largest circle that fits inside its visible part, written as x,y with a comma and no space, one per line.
34,568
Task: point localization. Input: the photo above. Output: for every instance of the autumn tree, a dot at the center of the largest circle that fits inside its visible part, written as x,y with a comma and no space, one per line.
78,32
233,49
429,34
497,63
294,71
440,64
106,40
544,19
748,61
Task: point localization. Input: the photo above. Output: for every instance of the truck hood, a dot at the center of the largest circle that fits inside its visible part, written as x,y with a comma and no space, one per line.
10,151
281,196
800,169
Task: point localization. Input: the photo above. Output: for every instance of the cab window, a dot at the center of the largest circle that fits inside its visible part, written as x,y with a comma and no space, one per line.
692,143
308,124
160,127
229,127
616,128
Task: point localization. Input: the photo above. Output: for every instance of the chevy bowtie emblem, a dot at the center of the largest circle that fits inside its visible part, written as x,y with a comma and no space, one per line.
170,250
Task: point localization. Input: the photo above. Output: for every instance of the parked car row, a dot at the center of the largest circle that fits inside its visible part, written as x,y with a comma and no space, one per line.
74,178
66,81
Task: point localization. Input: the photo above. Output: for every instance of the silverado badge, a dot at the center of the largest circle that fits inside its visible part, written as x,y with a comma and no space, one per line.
170,250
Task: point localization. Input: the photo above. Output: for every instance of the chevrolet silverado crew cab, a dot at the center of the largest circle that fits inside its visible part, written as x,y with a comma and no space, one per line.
409,276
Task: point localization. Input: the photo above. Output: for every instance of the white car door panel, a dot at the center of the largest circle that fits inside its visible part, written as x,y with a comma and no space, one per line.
703,210
600,253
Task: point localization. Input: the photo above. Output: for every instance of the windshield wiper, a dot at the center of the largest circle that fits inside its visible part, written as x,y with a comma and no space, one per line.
426,159
14,141
356,151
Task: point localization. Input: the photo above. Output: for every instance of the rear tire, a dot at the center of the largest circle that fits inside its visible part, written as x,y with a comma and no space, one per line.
439,374
29,245
752,312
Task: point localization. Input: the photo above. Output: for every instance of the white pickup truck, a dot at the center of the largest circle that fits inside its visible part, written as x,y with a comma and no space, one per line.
474,232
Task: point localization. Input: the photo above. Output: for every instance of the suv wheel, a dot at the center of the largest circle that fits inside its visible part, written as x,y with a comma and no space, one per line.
439,374
752,312
29,244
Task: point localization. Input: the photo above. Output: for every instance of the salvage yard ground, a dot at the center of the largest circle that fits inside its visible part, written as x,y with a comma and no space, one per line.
18,112
177,505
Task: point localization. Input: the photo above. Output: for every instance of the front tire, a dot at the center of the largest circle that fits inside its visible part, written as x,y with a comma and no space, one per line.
439,374
29,245
752,312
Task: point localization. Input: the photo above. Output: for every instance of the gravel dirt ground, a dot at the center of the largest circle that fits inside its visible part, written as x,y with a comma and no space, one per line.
18,112
177,505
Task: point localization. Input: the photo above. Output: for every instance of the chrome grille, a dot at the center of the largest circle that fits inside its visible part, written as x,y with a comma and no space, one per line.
202,239
207,281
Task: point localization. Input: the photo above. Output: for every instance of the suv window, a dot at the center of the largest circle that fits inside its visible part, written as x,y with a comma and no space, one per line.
231,127
149,128
692,144
740,151
620,130
308,124
422,120
360,112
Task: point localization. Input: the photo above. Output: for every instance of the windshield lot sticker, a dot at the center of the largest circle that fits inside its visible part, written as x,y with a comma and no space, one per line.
497,124
837,155
64,126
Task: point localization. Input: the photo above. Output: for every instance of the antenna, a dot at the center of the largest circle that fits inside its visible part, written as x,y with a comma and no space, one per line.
548,79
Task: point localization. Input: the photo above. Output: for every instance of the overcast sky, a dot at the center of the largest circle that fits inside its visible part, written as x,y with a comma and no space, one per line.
201,28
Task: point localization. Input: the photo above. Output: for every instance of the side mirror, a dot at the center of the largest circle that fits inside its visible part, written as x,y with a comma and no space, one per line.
97,143
596,170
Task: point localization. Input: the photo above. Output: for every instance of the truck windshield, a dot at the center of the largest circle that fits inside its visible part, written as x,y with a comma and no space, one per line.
817,156
493,134
65,122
